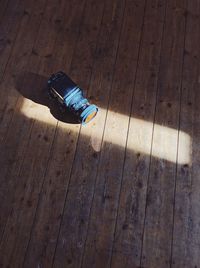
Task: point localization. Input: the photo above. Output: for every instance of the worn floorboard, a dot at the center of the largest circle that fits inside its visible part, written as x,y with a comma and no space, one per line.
122,191
156,248
186,247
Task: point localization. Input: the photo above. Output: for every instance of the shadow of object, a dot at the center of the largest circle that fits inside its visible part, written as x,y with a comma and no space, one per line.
34,87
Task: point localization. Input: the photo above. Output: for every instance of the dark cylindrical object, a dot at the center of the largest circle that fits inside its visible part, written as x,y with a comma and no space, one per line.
70,96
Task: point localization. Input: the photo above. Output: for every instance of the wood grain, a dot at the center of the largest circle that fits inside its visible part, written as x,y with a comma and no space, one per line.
185,250
4,5
98,248
81,71
122,191
84,171
10,24
32,164
161,183
131,211
42,244
12,149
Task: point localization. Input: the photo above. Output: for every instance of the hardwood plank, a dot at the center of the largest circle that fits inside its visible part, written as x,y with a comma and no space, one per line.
17,62
29,66
124,190
41,247
156,251
185,250
9,27
103,213
8,32
12,148
62,146
3,4
86,159
61,258
32,170
131,211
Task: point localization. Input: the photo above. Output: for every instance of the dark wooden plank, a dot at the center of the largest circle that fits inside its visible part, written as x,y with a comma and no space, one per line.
103,212
131,211
8,33
85,164
17,61
41,247
13,244
10,24
32,171
12,146
107,48
37,151
185,249
3,4
156,251
27,62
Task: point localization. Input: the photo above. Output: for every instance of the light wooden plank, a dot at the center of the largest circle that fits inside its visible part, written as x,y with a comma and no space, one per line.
156,251
131,211
185,250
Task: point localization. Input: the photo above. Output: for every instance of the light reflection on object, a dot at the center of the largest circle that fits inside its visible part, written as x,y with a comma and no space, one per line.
164,144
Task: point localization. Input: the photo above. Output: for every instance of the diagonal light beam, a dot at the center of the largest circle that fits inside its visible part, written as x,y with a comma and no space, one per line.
164,144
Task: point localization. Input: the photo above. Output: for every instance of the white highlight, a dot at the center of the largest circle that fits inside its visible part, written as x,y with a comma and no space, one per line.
164,143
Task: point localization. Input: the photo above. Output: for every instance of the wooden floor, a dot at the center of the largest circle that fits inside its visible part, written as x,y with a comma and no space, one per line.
123,191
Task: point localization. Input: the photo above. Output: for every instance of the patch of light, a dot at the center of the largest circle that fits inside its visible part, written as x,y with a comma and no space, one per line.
164,143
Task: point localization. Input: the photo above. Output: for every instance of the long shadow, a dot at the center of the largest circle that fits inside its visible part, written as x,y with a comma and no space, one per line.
39,94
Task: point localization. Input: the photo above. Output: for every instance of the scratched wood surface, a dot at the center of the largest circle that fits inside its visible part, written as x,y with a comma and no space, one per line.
124,190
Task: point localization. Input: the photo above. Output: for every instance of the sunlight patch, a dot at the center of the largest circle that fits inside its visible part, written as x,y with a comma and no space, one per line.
164,142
